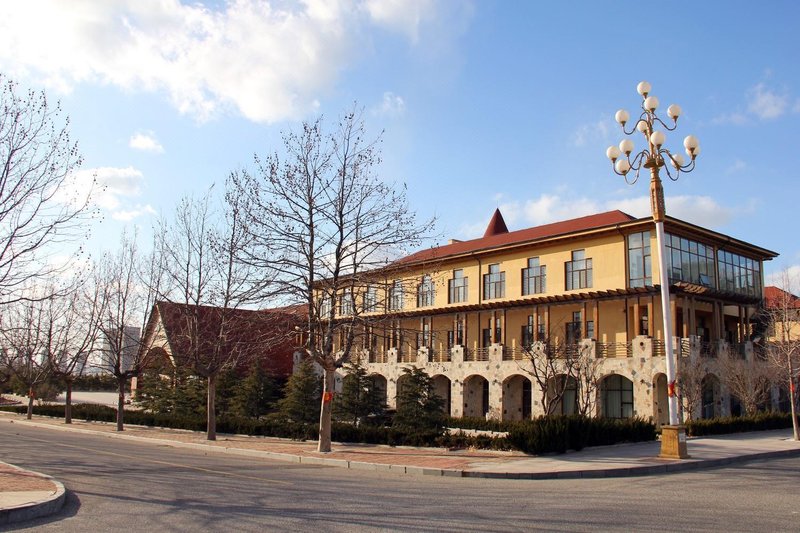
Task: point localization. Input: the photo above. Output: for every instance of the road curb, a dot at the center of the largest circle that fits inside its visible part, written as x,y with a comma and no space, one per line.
625,471
35,509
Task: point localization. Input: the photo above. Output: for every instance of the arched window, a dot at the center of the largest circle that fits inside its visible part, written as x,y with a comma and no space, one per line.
617,397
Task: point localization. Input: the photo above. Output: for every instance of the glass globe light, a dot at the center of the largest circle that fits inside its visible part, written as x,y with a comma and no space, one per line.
643,88
622,166
657,138
613,153
622,116
691,142
674,111
651,103
677,160
642,126
626,146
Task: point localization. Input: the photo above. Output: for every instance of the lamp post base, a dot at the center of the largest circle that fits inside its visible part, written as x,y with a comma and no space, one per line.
673,442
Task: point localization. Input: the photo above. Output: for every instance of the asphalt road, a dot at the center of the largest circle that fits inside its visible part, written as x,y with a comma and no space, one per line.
120,485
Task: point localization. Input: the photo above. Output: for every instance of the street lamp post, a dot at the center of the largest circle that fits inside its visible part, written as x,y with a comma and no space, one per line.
628,163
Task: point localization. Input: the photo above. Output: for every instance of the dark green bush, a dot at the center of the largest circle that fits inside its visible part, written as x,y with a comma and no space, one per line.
478,423
739,424
549,434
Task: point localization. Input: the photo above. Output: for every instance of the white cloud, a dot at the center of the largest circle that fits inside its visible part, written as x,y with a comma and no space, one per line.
765,103
402,16
591,131
146,142
267,60
787,279
392,105
136,212
737,166
736,118
701,210
113,188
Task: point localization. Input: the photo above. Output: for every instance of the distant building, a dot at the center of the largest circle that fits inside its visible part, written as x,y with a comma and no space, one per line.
131,336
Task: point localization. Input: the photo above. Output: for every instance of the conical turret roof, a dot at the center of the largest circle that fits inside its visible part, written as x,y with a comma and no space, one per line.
497,225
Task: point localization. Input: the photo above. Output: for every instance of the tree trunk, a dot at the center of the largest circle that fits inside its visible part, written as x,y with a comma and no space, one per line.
793,402
324,444
68,404
211,415
30,403
120,403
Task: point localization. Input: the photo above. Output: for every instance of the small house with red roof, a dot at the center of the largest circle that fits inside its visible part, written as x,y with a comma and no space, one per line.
176,333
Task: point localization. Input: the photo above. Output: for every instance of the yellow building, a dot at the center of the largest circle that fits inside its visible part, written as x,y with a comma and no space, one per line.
475,313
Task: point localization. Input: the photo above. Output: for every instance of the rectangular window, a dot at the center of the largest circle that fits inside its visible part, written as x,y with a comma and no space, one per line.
457,288
689,261
370,299
424,336
573,329
639,260
739,274
494,283
325,306
578,272
425,292
527,333
346,303
396,296
534,278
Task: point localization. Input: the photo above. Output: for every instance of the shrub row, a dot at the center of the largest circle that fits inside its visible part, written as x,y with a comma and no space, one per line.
561,433
739,424
541,435
481,424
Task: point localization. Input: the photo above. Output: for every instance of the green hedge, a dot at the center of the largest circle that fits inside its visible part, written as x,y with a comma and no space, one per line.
561,433
479,423
541,435
739,424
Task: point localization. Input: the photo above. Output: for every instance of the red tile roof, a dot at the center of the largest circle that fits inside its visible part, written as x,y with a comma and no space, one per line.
497,240
267,334
775,298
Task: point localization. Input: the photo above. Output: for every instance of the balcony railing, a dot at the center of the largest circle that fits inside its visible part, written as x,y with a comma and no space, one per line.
478,354
406,357
439,356
613,349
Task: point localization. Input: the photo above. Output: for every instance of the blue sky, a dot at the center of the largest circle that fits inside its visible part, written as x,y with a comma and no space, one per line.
483,104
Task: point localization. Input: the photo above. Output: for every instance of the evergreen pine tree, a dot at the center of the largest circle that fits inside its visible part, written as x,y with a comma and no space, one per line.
302,395
418,405
360,398
255,395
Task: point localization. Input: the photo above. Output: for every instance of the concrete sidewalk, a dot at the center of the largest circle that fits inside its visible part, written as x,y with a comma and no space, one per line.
607,461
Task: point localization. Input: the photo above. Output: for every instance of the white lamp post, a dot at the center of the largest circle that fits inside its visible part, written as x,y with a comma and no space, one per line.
628,163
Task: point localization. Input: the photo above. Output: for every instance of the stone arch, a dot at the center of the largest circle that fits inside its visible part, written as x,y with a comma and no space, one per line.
568,403
442,387
380,383
517,394
710,397
660,399
616,396
476,396
401,380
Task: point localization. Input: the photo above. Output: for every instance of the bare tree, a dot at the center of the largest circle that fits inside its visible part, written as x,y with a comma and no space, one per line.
691,373
206,275
782,315
24,338
127,283
41,209
559,368
587,374
325,224
748,380
73,321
